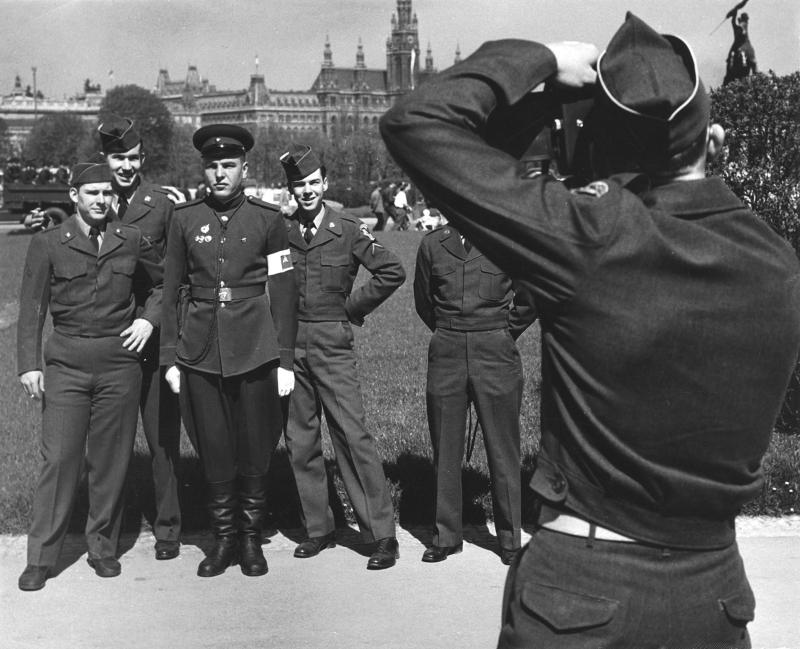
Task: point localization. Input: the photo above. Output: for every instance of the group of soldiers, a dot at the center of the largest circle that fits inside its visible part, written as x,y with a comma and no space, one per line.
237,319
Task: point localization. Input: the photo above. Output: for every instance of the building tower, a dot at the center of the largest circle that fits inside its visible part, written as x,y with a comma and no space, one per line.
402,50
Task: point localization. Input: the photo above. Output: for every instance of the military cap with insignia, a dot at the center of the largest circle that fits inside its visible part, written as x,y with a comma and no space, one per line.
221,140
118,134
89,172
649,96
299,161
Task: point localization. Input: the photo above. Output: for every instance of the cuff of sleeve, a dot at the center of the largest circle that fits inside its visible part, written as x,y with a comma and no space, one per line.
166,355
287,359
354,319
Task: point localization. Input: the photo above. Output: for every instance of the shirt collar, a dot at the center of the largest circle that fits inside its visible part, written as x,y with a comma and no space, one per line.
693,198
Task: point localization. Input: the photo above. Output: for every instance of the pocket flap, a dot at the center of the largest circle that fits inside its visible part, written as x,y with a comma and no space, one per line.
69,270
566,610
334,258
740,607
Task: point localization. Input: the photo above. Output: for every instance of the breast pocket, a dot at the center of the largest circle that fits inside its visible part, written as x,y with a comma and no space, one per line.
494,283
122,279
69,282
445,281
334,268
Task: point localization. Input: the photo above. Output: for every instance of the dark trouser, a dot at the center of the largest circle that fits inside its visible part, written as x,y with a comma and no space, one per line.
566,592
89,409
483,366
380,221
234,422
326,379
158,406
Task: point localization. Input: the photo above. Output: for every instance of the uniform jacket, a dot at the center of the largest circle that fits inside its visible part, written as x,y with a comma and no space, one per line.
670,315
150,211
206,252
327,267
88,294
456,289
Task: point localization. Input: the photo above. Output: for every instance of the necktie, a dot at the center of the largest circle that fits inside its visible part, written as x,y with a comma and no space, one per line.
94,234
308,233
122,206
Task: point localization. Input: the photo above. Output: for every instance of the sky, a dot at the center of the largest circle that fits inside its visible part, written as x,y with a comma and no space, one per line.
69,41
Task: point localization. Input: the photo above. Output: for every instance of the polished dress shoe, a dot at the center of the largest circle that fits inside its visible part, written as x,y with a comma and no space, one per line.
105,566
437,553
507,556
313,545
33,577
386,554
167,550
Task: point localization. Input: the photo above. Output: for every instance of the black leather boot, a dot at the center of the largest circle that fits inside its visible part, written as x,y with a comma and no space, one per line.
252,499
222,506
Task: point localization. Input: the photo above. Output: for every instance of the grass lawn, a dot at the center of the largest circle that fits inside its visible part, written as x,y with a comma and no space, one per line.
392,348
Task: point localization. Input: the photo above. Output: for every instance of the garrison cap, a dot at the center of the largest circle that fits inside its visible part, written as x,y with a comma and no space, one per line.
221,140
299,161
89,172
650,98
118,134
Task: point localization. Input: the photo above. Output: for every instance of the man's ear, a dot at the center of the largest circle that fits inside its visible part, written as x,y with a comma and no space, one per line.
73,194
716,140
244,170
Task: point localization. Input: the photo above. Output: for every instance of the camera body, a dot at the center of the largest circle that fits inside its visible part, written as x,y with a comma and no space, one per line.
547,131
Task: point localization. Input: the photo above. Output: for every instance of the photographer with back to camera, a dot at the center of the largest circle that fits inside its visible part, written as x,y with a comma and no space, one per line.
670,319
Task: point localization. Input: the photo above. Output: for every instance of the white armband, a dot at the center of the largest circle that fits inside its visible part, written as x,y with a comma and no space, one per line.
279,262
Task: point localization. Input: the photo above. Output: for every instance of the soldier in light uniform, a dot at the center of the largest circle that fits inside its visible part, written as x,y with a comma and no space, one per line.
475,315
328,248
90,275
229,346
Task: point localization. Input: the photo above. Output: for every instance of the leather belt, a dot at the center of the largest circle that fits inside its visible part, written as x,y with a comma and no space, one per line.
558,521
225,293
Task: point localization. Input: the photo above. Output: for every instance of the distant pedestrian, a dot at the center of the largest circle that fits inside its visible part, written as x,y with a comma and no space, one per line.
376,208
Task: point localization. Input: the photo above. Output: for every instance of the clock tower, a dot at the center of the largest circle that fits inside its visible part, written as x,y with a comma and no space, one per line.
402,50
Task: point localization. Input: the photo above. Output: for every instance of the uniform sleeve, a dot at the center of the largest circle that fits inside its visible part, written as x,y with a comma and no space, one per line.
33,301
423,300
523,311
149,281
174,277
528,227
386,276
283,294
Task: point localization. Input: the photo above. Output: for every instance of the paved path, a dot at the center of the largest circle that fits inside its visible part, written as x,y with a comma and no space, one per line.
329,601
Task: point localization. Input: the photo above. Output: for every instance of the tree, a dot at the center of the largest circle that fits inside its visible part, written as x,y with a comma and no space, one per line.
6,150
184,167
761,164
152,119
58,138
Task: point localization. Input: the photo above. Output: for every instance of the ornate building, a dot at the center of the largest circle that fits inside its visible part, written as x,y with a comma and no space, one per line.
341,99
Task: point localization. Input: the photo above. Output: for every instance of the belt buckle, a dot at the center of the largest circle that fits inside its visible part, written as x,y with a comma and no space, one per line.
224,294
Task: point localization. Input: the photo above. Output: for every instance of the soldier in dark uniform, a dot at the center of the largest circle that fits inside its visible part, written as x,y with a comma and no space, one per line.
670,318
470,306
327,250
91,275
227,345
146,206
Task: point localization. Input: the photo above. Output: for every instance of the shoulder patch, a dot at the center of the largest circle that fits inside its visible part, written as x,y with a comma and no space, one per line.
364,229
597,189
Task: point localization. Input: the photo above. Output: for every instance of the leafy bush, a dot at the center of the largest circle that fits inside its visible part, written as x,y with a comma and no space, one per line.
761,164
